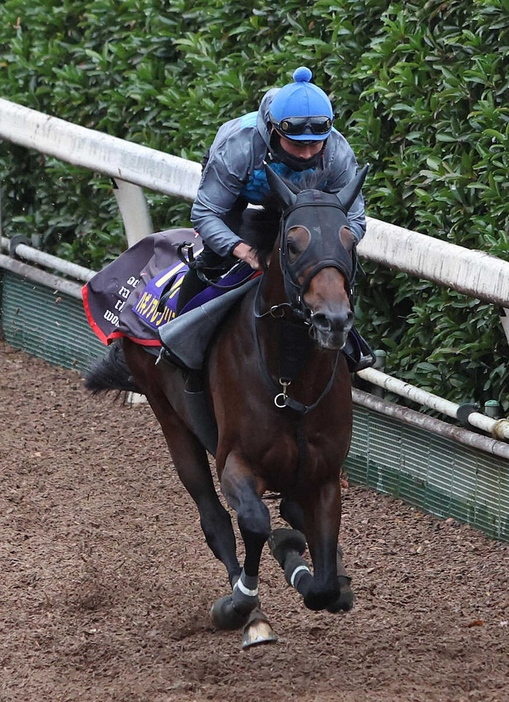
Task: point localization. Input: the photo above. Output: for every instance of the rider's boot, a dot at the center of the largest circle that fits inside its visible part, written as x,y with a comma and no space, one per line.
191,286
358,352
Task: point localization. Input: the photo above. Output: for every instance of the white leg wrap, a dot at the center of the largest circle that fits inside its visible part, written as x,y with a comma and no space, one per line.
245,590
298,570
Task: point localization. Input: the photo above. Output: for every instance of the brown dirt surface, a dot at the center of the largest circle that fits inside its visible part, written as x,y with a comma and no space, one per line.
106,580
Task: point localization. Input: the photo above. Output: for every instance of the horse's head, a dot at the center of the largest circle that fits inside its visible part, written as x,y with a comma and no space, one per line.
316,255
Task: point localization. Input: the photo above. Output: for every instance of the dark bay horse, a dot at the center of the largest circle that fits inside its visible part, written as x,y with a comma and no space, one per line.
280,391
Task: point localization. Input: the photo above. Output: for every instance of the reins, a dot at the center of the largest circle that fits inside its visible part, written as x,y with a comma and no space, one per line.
287,375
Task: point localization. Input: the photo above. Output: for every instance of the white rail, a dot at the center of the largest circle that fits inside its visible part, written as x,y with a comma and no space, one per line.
473,273
28,253
498,428
100,152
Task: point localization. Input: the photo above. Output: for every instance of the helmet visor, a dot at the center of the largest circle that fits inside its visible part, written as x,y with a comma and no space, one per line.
298,126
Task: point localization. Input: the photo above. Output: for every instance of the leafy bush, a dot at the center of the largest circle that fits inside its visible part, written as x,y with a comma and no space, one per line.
419,90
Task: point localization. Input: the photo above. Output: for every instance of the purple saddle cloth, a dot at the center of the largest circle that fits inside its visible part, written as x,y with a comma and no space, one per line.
123,299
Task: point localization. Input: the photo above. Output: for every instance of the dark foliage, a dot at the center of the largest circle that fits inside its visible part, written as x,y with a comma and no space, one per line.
419,88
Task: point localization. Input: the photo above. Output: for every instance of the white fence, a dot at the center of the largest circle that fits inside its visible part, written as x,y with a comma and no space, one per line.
471,272
134,167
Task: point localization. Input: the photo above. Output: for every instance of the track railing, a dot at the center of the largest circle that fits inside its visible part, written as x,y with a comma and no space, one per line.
134,167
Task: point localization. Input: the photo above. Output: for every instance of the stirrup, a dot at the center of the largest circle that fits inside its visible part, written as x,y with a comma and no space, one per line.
358,352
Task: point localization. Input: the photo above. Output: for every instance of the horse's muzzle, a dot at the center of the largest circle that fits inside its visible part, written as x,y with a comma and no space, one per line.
331,330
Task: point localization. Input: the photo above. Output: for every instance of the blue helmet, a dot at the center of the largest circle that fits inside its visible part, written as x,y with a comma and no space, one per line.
301,111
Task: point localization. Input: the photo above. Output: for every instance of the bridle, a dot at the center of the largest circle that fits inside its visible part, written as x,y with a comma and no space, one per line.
324,250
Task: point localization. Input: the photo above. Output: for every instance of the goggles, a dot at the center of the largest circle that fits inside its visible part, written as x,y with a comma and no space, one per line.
297,126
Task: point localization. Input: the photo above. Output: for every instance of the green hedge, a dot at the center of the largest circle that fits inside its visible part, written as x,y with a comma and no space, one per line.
420,90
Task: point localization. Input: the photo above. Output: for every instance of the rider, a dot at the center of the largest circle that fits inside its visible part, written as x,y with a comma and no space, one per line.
292,131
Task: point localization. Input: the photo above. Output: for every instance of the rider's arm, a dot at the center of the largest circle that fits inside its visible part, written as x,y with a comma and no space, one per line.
247,254
342,167
221,183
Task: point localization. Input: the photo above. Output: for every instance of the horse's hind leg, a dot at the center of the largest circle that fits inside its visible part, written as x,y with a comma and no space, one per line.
193,468
191,463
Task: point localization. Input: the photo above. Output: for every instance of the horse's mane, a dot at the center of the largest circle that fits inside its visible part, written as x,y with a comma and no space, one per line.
309,180
260,226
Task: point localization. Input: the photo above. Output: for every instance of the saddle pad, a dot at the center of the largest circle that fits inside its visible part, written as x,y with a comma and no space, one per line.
123,300
111,296
147,307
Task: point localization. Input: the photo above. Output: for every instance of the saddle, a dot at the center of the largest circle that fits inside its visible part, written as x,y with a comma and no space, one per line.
186,340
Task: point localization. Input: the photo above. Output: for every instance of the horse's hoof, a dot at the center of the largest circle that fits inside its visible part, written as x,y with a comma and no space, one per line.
346,598
258,631
282,541
224,616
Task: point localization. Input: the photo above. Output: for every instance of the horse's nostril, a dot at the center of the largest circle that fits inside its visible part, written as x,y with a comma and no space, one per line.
322,322
328,323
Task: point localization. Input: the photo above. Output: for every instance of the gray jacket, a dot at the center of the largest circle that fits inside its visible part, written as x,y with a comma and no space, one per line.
235,170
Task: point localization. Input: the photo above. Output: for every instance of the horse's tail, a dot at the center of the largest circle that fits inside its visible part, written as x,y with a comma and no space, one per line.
110,373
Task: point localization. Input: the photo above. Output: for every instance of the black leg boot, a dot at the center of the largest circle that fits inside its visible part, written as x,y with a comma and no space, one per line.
191,286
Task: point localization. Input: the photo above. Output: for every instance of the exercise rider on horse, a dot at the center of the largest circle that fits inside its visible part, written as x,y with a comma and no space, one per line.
291,131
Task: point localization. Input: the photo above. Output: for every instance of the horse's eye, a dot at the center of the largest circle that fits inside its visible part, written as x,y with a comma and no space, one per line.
347,238
292,247
294,250
297,242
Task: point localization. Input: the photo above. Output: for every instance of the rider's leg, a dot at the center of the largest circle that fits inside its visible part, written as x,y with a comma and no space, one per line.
192,284
358,352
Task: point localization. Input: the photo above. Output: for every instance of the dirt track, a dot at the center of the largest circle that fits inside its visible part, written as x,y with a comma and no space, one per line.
107,582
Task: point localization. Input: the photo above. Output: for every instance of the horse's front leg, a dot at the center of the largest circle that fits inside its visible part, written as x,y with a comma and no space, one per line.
319,517
243,493
291,543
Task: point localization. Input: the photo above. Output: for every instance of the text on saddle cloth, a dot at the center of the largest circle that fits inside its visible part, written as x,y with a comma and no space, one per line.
158,302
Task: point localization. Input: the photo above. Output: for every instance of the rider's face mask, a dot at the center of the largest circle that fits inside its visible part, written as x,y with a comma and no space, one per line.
296,163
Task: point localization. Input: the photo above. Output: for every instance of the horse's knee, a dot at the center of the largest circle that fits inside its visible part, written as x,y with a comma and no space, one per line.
254,521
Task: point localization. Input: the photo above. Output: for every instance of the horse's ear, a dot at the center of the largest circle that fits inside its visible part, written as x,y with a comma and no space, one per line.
279,187
347,196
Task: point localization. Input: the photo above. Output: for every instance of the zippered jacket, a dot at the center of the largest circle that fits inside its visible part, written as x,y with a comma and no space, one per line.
234,170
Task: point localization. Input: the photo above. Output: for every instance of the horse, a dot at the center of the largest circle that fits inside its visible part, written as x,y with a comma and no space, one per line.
279,388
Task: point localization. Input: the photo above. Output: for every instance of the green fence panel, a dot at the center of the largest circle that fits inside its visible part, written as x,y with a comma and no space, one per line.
432,472
47,324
